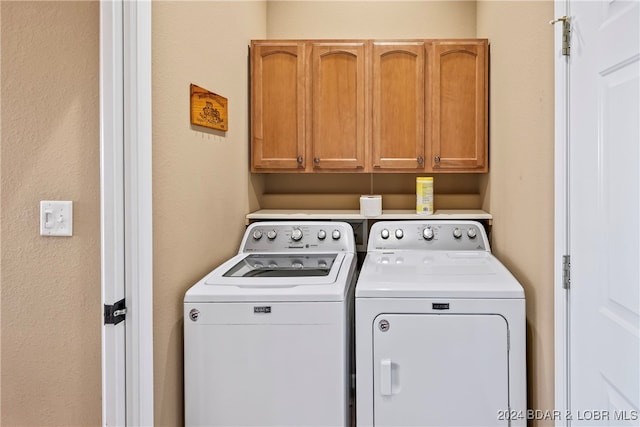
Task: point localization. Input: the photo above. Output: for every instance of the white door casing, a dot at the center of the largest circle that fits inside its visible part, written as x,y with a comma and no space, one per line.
598,215
112,209
126,210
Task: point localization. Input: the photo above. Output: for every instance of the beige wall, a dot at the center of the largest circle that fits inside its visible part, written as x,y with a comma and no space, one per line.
371,19
51,311
520,186
201,185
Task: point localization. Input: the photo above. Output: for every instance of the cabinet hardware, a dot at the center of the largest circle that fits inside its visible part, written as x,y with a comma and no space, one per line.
420,160
316,160
436,159
299,160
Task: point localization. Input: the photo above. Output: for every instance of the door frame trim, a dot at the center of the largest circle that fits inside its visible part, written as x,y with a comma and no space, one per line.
111,209
126,210
138,211
561,219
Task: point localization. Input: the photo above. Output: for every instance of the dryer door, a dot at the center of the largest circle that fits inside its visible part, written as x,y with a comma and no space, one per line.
440,370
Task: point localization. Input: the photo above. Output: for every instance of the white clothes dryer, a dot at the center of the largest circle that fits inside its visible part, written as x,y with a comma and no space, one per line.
268,335
440,329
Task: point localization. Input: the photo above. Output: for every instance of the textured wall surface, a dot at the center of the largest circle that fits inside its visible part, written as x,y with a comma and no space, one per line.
520,190
372,19
51,311
201,185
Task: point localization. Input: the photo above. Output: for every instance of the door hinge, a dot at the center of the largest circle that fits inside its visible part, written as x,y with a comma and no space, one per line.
114,314
566,271
566,34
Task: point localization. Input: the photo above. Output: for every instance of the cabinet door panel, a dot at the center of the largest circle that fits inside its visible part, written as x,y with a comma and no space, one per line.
338,106
278,106
398,105
459,138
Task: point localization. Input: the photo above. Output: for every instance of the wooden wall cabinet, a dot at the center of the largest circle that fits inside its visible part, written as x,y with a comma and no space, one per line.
399,106
278,106
459,107
338,108
369,106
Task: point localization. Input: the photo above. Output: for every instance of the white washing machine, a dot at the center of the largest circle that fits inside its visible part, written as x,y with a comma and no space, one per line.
267,334
440,329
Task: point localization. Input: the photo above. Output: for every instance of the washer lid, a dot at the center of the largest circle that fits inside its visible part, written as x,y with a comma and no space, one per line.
283,265
439,274
277,277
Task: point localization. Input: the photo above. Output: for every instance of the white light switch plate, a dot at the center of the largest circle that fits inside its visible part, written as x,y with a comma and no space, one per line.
56,218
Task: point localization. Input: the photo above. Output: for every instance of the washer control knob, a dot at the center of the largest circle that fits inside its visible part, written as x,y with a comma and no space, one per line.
457,233
472,233
322,235
271,234
257,234
427,233
384,233
399,233
296,234
335,235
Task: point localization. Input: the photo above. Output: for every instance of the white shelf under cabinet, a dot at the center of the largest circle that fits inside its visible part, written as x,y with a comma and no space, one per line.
321,214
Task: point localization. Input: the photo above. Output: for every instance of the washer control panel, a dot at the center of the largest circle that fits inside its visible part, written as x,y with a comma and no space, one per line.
330,236
428,235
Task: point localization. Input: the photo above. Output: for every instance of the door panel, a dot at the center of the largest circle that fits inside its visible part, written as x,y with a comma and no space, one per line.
440,370
459,107
338,106
604,200
277,106
398,105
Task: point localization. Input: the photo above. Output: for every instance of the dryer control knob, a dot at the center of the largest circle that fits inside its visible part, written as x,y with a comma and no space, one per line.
457,233
471,233
257,234
384,233
427,233
271,234
296,234
335,235
399,233
322,235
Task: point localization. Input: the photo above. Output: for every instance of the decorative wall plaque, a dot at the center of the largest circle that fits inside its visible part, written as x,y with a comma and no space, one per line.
208,109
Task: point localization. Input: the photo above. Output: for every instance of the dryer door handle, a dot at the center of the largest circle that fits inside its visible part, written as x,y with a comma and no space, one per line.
386,379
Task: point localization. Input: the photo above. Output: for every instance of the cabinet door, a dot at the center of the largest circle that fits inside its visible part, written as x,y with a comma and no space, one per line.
337,129
398,106
277,106
459,107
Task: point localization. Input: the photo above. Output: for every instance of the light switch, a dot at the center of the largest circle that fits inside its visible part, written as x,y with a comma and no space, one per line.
56,218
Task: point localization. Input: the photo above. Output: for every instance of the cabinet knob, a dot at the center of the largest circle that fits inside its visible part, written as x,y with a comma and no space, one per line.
316,160
420,160
299,160
436,159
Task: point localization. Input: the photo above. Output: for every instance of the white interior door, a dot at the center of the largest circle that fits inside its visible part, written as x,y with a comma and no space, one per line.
600,365
440,370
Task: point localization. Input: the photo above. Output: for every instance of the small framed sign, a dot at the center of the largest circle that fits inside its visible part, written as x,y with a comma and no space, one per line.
208,109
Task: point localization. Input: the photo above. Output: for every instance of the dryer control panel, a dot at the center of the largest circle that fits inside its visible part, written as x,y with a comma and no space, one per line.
433,235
